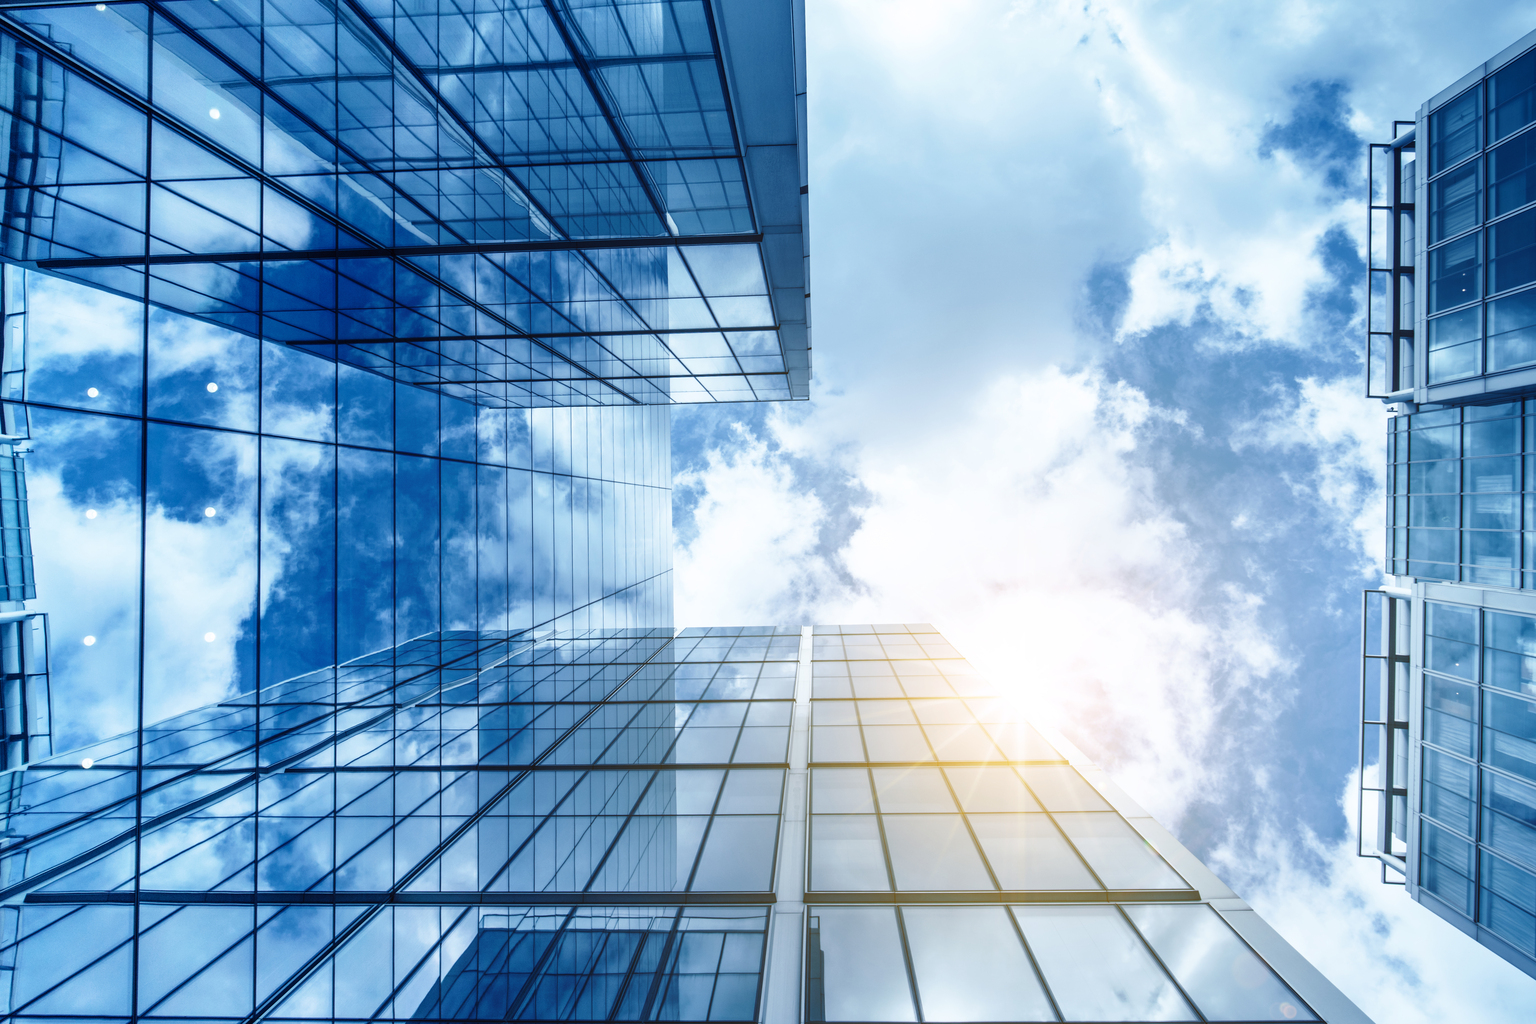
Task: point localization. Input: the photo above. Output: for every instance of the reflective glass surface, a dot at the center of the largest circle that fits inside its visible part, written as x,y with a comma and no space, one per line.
1462,505
1477,832
522,204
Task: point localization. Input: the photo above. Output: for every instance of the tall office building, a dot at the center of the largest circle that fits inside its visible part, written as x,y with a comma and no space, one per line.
339,345
1448,700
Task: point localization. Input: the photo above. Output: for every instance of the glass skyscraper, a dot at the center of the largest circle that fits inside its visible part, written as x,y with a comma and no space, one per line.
1448,696
338,666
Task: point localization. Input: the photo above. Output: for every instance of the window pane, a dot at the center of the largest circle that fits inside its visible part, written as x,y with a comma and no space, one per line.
1062,789
932,852
1454,202
912,791
1448,790
1449,711
1096,966
1455,273
1453,345
1509,818
1445,866
1509,97
1027,851
991,789
1508,905
1226,979
1117,852
1512,331
1509,734
863,975
1512,252
846,854
1454,130
970,966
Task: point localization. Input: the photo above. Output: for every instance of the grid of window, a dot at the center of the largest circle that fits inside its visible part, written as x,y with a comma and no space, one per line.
468,800
1462,495
930,795
502,826
528,205
1482,229
16,582
1477,831
287,512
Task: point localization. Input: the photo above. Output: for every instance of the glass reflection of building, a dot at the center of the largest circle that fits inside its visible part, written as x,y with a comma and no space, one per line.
338,349
1448,733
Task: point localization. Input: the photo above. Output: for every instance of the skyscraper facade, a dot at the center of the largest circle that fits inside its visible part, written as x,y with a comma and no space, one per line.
337,655
1448,697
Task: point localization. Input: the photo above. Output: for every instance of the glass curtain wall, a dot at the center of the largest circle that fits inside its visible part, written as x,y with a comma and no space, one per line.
528,204
1482,227
212,513
1477,832
1461,504
960,869
596,826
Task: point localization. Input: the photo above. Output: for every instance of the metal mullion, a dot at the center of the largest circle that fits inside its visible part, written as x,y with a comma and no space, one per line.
623,829
416,968
885,846
535,975
662,967
1159,960
629,974
906,956
709,825
965,818
1018,930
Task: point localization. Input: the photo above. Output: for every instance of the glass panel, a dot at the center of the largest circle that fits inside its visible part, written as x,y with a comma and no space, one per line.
1509,734
971,966
1510,92
1456,273
1062,789
1512,175
931,852
990,789
846,855
1509,660
1096,966
1226,979
1455,130
1450,714
1027,851
1449,790
1455,202
1509,818
1117,852
1445,866
1512,252
862,972
1512,331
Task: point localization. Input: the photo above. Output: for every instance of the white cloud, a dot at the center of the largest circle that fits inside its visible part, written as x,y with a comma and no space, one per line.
972,165
1394,958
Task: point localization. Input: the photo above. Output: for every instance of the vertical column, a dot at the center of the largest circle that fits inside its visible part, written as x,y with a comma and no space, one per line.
781,987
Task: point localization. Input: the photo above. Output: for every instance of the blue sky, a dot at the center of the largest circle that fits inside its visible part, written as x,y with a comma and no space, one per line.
1086,291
